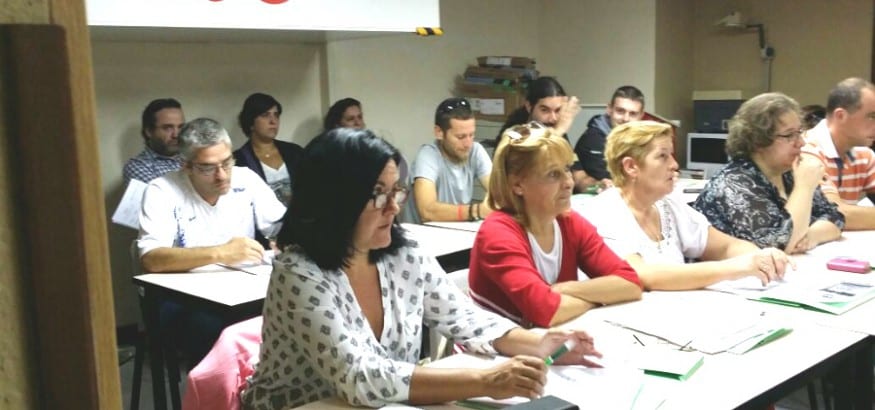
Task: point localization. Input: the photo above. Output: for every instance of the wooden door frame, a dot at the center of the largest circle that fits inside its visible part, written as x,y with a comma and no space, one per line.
49,101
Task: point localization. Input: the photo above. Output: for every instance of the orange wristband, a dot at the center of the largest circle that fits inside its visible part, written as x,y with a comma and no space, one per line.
459,213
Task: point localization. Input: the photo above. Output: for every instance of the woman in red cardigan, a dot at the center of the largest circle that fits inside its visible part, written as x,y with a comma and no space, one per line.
525,260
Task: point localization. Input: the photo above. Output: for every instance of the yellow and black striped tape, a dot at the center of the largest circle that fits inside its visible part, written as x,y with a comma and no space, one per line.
429,31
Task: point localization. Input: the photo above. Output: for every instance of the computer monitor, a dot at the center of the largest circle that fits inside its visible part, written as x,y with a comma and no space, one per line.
706,152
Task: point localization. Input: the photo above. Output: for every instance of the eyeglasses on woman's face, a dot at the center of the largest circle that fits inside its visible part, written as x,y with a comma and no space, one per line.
792,135
381,199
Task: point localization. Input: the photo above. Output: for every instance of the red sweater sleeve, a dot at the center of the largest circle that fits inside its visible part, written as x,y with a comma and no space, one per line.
583,247
503,276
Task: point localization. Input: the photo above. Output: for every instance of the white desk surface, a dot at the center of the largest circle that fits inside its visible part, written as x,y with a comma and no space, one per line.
463,226
214,283
438,241
859,245
725,380
232,288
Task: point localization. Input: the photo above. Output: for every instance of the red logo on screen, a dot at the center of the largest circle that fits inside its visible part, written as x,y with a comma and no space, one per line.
265,1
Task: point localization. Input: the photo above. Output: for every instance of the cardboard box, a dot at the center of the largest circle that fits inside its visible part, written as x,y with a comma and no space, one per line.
506,61
491,103
501,73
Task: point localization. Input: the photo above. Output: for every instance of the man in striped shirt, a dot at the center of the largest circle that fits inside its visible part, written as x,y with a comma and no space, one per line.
842,142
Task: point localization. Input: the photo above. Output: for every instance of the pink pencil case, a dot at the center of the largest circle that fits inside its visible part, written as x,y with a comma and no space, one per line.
849,265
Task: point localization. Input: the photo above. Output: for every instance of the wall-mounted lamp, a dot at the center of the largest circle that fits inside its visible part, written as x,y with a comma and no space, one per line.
736,21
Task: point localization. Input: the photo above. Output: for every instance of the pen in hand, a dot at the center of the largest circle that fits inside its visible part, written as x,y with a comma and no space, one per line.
568,345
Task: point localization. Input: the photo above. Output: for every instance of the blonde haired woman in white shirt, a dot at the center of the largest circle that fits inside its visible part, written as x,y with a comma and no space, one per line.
656,232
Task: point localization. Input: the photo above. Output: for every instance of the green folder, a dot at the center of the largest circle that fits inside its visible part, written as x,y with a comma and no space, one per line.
672,364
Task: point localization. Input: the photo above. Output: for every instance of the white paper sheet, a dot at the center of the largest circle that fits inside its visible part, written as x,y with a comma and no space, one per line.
127,213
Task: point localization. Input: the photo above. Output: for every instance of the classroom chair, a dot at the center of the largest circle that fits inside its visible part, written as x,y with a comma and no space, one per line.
440,346
171,363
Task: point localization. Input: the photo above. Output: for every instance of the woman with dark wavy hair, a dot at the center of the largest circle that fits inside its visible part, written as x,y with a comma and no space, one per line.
769,192
350,293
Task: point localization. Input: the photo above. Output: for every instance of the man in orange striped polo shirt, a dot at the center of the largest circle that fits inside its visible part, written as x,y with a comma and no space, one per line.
842,142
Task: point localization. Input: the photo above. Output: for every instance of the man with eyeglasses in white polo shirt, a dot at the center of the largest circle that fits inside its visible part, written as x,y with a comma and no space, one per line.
209,210
206,212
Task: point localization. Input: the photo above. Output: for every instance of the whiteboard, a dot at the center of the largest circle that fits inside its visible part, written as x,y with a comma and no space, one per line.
341,15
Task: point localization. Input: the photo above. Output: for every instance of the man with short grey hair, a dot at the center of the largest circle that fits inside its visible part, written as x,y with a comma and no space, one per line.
209,210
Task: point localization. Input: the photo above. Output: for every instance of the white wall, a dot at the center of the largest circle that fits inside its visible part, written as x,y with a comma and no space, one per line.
401,79
817,44
592,46
595,46
209,80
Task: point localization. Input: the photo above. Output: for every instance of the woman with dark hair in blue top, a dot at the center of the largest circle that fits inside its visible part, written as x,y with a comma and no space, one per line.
273,160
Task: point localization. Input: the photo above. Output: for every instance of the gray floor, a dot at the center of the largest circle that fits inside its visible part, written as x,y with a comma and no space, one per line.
127,377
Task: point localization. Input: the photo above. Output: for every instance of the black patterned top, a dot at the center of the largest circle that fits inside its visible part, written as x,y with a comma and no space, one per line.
740,201
317,342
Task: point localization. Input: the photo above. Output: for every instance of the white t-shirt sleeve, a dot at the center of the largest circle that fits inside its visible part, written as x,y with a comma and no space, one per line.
157,223
427,164
692,227
267,210
482,163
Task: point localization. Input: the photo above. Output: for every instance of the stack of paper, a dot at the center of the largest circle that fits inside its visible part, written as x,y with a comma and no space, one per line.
835,293
719,327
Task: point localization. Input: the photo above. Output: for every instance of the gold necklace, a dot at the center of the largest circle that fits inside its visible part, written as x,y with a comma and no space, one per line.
268,154
656,236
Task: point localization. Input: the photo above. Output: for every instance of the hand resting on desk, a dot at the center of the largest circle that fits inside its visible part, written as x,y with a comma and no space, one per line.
171,259
241,250
767,265
525,375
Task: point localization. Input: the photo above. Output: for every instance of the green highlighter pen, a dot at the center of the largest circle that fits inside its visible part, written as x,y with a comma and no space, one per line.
568,345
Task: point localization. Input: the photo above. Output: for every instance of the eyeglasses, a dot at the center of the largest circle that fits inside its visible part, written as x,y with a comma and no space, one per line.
448,105
791,136
211,169
381,199
520,132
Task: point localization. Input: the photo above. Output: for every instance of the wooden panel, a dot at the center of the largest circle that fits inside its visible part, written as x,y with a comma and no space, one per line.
72,16
62,215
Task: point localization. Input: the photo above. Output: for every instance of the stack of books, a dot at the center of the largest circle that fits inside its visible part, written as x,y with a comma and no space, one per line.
497,85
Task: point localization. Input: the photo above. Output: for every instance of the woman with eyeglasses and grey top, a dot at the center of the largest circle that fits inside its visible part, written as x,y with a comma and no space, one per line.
655,231
350,293
526,256
769,193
